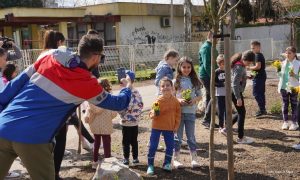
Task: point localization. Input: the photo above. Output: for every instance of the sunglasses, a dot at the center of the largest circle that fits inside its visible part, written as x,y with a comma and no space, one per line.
102,57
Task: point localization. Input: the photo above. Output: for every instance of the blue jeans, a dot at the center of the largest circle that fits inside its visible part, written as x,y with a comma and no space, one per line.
154,140
187,121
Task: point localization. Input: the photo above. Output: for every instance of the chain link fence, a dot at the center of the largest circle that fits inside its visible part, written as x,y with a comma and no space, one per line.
143,58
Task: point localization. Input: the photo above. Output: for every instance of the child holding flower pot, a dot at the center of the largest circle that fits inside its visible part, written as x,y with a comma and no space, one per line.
188,93
165,115
288,81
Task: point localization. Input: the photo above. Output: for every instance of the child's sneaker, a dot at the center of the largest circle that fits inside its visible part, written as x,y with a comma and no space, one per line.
135,162
245,140
194,161
125,162
285,126
296,146
223,131
167,167
176,162
12,174
94,165
150,170
294,126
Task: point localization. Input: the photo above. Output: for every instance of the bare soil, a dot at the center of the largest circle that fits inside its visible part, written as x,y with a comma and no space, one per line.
270,157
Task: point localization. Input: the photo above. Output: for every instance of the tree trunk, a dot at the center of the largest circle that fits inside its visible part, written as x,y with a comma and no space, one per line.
228,109
213,5
213,108
232,26
187,20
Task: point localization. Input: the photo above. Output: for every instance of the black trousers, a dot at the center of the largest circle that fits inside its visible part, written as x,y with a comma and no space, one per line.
74,120
130,134
239,116
59,149
61,138
206,84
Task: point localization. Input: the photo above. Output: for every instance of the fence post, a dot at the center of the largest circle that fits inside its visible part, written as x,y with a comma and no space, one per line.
132,57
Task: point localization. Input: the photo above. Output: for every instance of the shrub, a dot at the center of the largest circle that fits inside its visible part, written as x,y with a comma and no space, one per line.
276,108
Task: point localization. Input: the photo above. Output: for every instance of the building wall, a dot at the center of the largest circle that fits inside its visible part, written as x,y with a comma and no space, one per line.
148,30
277,32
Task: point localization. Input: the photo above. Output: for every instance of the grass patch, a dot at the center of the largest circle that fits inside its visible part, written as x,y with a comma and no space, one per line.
139,75
276,108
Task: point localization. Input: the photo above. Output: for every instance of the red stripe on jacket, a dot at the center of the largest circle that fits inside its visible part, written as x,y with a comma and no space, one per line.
76,81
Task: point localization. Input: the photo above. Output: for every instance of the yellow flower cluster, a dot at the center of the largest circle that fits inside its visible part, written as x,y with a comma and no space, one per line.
156,109
295,89
277,65
187,94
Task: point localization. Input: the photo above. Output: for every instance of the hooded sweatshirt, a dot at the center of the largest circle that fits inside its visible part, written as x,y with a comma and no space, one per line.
163,69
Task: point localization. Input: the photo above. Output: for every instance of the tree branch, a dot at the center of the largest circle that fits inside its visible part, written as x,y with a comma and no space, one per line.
231,9
205,6
224,3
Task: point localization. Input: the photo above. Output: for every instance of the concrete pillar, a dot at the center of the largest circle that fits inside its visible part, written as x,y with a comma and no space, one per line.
63,28
118,35
35,36
7,31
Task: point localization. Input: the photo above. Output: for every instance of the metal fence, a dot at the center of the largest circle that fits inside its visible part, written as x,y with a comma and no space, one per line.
143,58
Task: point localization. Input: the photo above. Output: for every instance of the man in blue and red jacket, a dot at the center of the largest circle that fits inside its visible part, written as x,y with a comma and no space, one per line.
35,104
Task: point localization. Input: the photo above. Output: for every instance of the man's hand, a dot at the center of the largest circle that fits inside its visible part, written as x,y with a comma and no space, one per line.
129,83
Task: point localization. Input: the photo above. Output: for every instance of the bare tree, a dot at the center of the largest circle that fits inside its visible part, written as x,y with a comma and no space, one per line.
217,13
187,20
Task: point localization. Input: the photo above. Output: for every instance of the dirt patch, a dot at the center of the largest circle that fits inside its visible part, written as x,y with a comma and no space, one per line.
270,157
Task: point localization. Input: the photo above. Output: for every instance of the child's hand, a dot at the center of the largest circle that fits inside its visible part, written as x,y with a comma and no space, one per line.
193,101
183,102
151,114
239,102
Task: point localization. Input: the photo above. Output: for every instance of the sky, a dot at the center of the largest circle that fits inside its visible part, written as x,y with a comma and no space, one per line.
71,3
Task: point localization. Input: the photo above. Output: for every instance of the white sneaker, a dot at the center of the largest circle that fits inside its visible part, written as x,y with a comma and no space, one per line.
176,162
296,146
245,140
184,142
294,126
223,131
194,162
86,145
285,126
94,165
67,153
12,174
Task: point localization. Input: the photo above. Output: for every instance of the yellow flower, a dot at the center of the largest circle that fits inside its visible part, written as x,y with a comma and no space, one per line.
156,108
277,65
186,94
